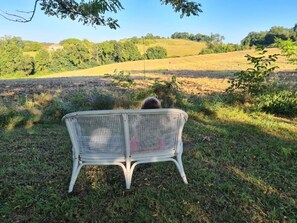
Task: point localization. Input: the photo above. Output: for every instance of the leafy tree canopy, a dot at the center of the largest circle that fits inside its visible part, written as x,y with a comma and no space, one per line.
267,38
70,41
92,12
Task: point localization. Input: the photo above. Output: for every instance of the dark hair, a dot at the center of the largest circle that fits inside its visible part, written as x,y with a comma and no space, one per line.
151,103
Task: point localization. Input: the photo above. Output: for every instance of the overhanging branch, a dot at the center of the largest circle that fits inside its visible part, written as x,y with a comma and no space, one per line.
17,18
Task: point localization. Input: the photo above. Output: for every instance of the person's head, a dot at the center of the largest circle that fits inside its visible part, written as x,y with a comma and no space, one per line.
151,103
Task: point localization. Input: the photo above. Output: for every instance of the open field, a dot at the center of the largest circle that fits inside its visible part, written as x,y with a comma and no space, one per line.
174,47
216,65
241,164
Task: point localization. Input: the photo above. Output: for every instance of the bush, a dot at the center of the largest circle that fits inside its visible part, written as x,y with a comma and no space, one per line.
156,52
220,48
57,109
120,79
101,100
253,80
267,95
11,117
95,100
282,102
167,92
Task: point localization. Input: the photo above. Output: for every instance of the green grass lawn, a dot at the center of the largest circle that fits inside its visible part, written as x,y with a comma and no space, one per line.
241,167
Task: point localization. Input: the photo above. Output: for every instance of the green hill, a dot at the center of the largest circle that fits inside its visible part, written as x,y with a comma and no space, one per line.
174,47
191,65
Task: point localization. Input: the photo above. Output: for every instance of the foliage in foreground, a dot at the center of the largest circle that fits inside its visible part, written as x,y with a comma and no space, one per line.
46,107
254,80
93,12
289,49
280,102
267,94
168,92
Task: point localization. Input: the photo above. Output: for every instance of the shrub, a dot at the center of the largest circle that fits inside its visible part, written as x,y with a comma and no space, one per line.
11,117
168,92
288,48
220,48
282,102
95,100
120,79
253,80
156,52
80,101
268,95
101,100
57,109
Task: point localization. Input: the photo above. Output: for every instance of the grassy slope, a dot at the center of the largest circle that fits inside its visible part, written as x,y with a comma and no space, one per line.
174,47
191,65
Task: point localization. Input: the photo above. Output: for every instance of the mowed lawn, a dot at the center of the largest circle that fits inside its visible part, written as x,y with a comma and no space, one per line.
241,164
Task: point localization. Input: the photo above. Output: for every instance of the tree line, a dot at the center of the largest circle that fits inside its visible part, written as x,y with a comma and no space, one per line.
79,54
214,42
75,54
268,38
262,38
212,38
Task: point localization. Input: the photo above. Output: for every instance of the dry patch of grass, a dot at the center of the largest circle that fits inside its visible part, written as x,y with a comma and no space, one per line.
174,47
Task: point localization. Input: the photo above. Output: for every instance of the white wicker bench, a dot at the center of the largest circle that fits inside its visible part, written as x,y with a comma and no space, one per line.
126,138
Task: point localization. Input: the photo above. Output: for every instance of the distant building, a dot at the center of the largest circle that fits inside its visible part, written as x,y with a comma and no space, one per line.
54,47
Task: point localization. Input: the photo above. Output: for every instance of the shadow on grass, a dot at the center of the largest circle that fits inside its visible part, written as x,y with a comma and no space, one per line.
241,170
238,171
10,88
190,73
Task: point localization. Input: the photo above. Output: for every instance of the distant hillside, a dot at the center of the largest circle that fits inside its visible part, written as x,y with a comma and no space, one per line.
218,65
174,47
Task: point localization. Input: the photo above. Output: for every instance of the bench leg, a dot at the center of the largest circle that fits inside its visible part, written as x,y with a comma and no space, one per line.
75,172
181,168
128,180
128,174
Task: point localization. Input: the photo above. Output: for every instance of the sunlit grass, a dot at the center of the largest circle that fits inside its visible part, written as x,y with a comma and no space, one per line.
223,65
210,65
174,47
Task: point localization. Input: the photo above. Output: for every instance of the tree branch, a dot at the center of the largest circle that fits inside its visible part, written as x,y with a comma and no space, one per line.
18,18
93,11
